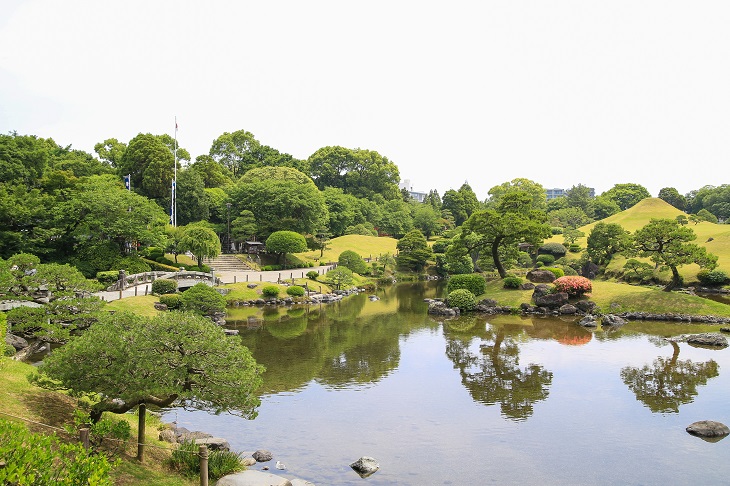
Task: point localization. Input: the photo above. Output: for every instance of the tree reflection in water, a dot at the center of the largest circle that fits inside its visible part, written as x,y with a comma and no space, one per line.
668,382
493,375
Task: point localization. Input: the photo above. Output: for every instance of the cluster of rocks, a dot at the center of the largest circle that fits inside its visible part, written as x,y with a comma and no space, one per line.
335,296
646,316
178,435
609,320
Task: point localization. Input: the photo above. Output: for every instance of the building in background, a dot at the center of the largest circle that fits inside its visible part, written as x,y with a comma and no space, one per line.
415,195
556,193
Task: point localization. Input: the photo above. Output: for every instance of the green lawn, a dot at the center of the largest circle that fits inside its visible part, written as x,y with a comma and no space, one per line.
365,246
143,305
625,297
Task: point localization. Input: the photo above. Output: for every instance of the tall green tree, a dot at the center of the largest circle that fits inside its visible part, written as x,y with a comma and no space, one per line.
673,197
174,358
360,172
193,203
498,230
111,151
427,219
626,195
151,164
605,240
413,251
283,242
212,173
667,243
580,197
201,241
536,192
453,202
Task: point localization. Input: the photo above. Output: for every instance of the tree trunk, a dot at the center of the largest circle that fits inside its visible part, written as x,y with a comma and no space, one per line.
675,280
495,257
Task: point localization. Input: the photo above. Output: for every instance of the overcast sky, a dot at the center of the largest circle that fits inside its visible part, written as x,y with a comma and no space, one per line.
560,92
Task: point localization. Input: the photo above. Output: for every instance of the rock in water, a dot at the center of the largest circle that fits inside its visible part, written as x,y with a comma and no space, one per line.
365,466
612,320
262,455
708,339
709,430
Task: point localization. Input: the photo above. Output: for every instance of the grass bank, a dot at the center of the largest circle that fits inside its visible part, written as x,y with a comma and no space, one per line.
365,246
619,297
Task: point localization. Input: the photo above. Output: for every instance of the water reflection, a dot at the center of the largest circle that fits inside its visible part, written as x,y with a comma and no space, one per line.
488,359
668,383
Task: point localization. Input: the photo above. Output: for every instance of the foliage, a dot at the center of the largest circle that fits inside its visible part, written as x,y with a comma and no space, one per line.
535,192
178,358
456,265
705,215
573,286
413,251
716,199
545,259
511,282
55,321
361,229
667,243
283,242
673,197
626,195
427,219
204,299
712,277
271,291
239,152
220,463
574,248
339,277
164,286
295,291
605,240
555,249
570,236
353,261
440,246
558,272
201,241
131,264
44,460
472,282
172,301
312,275
108,278
638,270
114,431
463,299
570,217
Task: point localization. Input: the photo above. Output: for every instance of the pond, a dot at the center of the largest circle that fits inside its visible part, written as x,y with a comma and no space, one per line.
475,400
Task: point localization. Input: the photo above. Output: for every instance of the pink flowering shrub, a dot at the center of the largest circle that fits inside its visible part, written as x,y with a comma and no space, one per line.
573,286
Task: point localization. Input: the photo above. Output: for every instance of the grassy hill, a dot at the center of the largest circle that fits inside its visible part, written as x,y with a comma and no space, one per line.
715,237
365,246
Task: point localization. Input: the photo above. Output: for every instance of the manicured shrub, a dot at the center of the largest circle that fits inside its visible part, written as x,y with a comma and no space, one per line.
556,230
558,272
165,261
353,261
270,291
295,291
172,301
459,265
203,299
472,282
712,277
546,259
574,248
573,286
164,286
439,246
568,270
511,282
131,264
108,278
555,249
539,264
461,298
312,275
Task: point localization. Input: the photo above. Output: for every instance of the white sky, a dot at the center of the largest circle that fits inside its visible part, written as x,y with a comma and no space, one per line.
560,92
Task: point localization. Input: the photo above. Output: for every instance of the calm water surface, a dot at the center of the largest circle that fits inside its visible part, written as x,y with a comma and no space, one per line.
476,400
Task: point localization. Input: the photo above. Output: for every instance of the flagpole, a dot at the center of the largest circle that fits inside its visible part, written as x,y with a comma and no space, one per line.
173,209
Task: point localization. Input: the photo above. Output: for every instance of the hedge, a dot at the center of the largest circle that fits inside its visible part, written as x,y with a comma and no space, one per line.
164,286
472,282
463,299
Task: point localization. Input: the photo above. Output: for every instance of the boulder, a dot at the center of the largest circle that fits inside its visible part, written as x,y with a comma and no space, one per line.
586,306
262,455
725,329
567,309
441,309
252,285
612,320
589,270
708,339
540,276
488,303
527,286
16,341
540,290
214,443
160,306
365,466
588,321
708,428
552,301
167,435
253,478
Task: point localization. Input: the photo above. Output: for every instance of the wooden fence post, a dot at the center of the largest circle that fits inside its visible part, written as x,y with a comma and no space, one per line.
203,453
84,437
140,434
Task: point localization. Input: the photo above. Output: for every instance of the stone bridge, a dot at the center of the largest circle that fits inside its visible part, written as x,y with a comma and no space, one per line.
184,278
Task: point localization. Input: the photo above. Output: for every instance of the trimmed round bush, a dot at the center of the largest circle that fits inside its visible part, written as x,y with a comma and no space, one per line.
312,275
165,261
511,282
107,278
353,261
574,248
164,286
295,291
546,259
539,264
462,298
555,249
573,286
472,282
270,291
558,272
569,271
556,230
712,277
172,301
204,299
